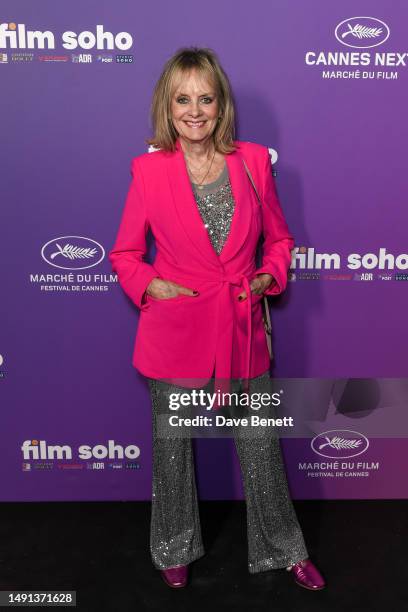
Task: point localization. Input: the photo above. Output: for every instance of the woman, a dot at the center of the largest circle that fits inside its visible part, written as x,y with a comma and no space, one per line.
200,305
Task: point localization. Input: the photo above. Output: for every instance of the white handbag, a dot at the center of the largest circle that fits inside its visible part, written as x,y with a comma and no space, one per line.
265,306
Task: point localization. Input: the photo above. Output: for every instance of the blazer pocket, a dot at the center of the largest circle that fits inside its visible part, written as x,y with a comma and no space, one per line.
255,297
177,298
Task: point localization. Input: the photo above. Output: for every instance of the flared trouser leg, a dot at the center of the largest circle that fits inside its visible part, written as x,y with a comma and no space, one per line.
275,539
175,530
274,535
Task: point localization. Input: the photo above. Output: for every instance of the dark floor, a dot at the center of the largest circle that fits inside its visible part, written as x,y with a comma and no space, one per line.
101,550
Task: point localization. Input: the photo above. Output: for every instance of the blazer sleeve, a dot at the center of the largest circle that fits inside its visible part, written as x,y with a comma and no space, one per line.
126,256
278,241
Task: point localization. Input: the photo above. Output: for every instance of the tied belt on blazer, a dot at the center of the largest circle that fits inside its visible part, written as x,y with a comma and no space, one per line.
226,323
224,349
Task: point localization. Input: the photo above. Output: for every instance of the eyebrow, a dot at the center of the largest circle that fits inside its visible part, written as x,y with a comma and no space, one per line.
205,94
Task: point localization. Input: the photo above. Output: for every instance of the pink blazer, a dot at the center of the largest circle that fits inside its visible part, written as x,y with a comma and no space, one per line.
185,337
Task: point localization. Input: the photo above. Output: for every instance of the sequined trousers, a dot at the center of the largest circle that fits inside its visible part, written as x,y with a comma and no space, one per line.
275,539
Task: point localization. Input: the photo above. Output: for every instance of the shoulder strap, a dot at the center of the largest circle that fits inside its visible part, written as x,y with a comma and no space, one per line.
252,181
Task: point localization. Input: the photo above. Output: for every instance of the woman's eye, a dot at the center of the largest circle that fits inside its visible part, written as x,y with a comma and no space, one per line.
183,99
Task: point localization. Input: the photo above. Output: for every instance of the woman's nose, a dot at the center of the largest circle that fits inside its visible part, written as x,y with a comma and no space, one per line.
195,109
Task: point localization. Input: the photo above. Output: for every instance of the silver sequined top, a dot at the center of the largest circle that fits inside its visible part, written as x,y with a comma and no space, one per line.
216,206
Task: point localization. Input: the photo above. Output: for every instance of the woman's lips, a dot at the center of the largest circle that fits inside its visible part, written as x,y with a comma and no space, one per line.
195,124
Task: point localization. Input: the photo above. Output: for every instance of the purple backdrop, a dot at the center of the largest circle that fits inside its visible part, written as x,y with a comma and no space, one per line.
325,90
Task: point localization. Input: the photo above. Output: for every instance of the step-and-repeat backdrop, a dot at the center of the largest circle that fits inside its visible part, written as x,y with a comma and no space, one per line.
325,88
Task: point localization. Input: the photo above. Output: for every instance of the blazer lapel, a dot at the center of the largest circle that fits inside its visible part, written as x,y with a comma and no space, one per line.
242,217
189,215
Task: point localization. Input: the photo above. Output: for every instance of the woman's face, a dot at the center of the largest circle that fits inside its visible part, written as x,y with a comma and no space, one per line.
194,108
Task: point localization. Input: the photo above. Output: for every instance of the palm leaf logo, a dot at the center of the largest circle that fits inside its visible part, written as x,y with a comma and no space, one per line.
72,252
340,443
360,31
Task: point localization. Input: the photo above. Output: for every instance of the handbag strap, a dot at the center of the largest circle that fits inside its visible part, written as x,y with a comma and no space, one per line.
252,181
266,314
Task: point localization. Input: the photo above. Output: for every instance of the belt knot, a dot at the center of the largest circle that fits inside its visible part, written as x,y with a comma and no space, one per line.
233,279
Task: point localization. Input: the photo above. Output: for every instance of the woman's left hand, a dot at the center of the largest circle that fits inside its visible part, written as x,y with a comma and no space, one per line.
258,285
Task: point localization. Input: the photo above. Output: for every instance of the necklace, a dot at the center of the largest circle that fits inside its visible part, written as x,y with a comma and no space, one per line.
200,185
197,169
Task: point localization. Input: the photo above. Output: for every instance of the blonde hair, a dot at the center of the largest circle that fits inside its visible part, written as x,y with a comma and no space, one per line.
206,62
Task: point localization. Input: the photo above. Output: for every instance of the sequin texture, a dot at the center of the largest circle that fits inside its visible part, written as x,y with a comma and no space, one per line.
275,539
216,205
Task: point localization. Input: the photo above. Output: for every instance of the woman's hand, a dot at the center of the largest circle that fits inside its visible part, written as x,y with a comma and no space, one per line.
161,289
258,285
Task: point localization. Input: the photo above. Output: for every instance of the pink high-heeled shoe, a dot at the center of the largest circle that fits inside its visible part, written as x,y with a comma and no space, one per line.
307,575
175,577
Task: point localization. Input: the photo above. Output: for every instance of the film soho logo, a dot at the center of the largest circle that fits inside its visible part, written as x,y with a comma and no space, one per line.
69,261
20,44
339,454
359,52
